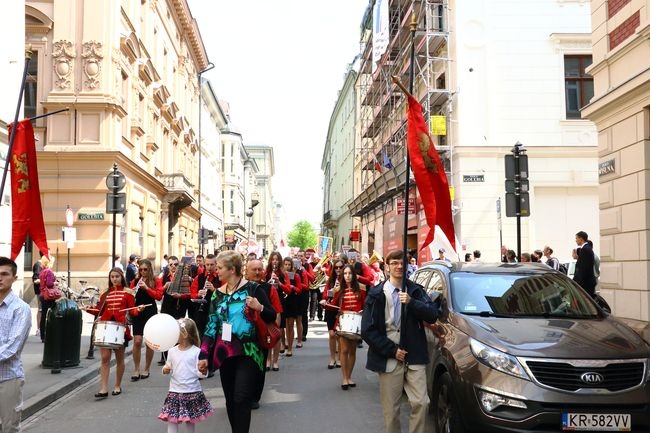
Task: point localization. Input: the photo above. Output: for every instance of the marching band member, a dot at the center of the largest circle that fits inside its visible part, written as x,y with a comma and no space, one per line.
349,299
148,290
114,303
202,288
277,278
292,305
331,287
363,272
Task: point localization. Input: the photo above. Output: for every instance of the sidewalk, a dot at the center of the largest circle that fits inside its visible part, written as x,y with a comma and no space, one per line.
41,386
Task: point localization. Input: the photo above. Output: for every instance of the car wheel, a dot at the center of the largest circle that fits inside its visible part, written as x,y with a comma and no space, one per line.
446,413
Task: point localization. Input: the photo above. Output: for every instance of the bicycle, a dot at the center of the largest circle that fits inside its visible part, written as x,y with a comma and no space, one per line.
87,297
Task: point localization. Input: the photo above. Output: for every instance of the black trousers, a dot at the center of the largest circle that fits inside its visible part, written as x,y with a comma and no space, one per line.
239,380
260,383
304,308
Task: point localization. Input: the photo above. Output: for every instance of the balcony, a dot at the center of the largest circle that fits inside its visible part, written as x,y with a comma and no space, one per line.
179,189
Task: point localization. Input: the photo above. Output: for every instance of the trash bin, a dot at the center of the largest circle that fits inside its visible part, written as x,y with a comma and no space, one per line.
62,335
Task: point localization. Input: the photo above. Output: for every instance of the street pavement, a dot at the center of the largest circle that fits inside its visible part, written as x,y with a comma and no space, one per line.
303,396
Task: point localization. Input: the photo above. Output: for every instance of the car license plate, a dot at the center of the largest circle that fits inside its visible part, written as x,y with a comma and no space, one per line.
597,421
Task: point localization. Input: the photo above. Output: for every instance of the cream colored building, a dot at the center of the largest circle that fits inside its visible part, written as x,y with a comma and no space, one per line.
264,210
620,109
127,70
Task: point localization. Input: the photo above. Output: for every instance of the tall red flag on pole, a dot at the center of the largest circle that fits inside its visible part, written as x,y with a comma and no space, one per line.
430,176
26,210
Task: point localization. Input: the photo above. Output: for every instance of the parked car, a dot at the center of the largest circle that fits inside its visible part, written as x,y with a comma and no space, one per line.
522,348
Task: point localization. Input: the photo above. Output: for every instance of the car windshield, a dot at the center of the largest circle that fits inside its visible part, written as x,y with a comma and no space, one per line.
514,295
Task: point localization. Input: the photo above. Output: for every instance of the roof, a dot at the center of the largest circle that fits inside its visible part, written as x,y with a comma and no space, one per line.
491,268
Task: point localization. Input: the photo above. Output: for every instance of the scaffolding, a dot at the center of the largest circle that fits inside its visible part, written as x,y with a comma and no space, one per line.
382,106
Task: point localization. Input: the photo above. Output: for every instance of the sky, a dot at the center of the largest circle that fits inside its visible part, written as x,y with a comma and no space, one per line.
280,64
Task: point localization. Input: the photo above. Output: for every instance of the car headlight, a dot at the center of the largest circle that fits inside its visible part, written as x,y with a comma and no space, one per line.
491,401
498,360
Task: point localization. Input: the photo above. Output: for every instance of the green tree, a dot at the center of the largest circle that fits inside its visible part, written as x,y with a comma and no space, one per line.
302,236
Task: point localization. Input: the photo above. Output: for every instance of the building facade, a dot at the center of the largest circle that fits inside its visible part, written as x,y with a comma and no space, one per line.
263,218
213,121
127,71
338,163
485,82
620,109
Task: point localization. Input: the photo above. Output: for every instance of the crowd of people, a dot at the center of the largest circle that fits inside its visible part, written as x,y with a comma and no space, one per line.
218,301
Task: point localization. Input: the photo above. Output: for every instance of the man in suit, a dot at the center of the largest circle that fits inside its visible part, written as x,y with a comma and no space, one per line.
584,272
397,345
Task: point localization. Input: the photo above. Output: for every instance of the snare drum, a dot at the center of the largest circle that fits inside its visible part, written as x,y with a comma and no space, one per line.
349,325
109,334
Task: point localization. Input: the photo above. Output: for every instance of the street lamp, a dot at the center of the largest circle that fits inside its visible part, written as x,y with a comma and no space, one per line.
249,214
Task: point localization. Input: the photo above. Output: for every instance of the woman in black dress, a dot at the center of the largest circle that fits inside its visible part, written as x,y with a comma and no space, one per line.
147,290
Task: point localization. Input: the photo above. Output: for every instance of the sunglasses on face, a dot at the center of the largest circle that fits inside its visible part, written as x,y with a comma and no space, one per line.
338,267
143,269
173,264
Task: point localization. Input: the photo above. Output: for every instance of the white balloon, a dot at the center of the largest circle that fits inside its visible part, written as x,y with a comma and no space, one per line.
161,332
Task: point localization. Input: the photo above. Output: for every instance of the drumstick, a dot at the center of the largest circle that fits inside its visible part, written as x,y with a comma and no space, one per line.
138,306
332,305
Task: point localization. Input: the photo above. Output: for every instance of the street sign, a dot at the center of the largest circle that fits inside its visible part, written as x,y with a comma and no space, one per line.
510,166
115,181
116,203
400,206
511,185
511,205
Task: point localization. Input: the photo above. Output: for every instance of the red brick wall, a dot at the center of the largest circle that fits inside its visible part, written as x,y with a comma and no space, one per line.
614,6
625,30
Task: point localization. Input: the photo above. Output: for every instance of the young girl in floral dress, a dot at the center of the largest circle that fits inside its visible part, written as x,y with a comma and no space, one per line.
185,402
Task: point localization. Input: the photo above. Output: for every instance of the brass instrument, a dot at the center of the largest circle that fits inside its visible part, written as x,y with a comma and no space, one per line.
321,277
376,257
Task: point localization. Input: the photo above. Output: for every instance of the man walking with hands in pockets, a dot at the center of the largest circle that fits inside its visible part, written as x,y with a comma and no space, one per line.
397,344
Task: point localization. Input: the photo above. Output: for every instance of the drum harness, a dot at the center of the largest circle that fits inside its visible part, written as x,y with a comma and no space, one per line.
92,332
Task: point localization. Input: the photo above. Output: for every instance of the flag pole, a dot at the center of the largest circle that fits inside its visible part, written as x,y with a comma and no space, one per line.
12,137
407,184
407,180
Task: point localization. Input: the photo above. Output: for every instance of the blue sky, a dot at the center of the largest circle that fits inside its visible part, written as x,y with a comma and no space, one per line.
280,65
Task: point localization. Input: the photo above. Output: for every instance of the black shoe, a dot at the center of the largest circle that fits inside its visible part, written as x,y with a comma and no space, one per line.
144,376
135,378
211,374
117,391
268,368
101,395
304,338
352,385
330,366
161,362
255,405
345,387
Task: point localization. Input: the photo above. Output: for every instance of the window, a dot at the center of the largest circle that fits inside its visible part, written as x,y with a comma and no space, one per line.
578,85
31,89
232,202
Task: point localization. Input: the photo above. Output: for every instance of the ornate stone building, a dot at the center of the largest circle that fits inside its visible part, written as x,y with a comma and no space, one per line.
127,71
620,109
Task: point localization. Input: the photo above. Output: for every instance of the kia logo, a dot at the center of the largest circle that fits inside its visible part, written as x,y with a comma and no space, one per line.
592,378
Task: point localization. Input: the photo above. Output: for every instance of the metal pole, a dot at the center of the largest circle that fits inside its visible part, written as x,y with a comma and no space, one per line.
515,151
12,137
500,224
114,191
407,181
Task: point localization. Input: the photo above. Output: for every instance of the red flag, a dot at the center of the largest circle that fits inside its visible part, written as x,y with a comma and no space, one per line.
26,210
430,176
377,165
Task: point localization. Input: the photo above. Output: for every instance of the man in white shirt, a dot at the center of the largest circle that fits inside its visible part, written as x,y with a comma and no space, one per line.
15,321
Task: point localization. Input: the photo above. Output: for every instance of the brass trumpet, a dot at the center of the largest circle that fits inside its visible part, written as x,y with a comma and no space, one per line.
321,277
376,257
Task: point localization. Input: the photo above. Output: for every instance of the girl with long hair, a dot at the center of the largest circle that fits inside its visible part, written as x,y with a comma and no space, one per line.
279,279
148,289
113,305
349,299
332,286
293,305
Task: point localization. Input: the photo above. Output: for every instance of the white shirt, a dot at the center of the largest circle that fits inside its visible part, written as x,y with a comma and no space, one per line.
185,373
